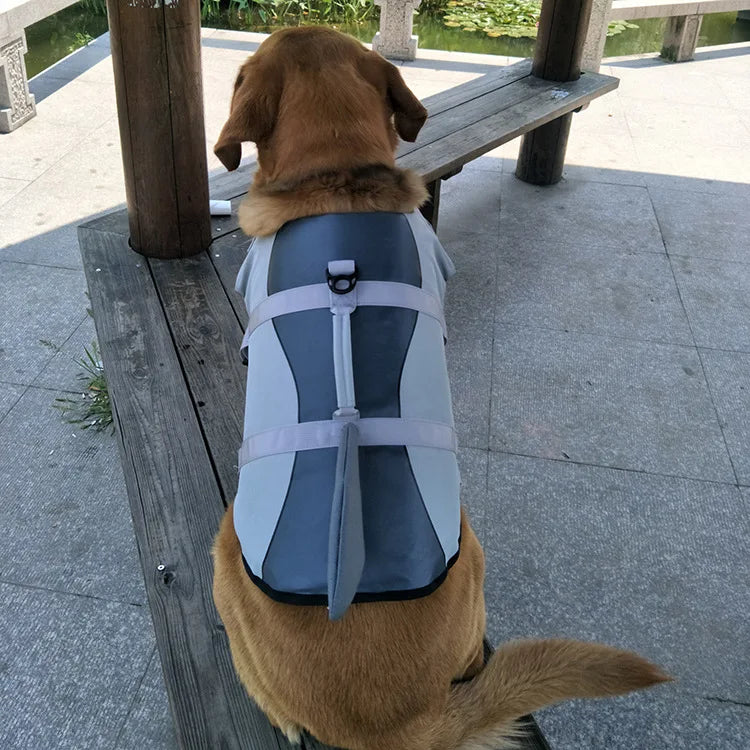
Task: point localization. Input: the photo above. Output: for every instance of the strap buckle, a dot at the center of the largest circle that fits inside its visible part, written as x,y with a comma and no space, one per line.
341,276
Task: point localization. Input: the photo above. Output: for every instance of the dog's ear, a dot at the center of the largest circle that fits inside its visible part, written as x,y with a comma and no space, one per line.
408,113
252,115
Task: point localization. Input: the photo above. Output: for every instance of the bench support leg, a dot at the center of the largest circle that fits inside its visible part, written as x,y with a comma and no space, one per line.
542,156
16,103
681,38
557,57
431,208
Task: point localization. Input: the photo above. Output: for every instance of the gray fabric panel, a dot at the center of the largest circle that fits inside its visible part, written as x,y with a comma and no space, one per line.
381,244
346,542
438,479
425,388
402,549
262,488
297,558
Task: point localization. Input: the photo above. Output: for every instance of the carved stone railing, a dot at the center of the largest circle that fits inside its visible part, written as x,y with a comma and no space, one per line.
16,102
395,39
680,36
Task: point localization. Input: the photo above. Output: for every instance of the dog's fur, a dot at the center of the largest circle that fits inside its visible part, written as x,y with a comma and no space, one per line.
325,114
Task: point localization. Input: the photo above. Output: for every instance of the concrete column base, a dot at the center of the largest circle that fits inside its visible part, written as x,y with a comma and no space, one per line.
395,40
681,38
17,105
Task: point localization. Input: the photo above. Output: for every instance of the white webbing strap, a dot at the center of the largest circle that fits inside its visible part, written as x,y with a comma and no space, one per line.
373,431
342,305
369,294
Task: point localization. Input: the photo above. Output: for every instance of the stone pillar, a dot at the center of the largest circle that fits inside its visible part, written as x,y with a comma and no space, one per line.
395,39
681,38
16,103
593,47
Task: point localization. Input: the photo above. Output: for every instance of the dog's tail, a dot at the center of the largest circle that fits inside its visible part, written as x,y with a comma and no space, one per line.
523,676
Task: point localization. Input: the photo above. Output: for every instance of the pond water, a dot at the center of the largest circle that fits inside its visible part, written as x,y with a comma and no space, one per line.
56,36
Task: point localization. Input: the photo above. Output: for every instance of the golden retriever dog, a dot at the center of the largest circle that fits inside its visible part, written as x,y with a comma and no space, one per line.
326,115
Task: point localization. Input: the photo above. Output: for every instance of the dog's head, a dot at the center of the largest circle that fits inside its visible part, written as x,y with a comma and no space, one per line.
314,99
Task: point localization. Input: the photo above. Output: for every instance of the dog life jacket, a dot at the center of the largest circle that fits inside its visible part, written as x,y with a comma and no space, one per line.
349,485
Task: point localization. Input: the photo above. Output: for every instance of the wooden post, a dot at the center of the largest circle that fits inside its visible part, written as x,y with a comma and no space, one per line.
157,66
557,57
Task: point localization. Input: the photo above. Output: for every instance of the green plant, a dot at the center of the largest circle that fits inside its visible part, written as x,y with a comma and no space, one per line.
80,40
514,18
94,408
617,27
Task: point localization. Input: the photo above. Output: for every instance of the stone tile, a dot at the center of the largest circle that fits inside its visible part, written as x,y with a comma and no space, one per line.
63,372
65,512
57,248
469,203
614,217
70,668
36,304
664,123
733,91
29,151
470,304
695,85
716,295
10,187
473,464
665,718
9,395
704,224
80,103
611,402
149,723
654,564
42,220
469,353
728,375
471,291
705,168
585,289
610,160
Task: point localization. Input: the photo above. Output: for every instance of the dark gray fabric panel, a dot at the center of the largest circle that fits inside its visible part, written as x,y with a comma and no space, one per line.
381,244
401,547
297,558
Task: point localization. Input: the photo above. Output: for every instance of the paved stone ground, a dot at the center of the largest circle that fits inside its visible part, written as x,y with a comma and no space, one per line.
600,356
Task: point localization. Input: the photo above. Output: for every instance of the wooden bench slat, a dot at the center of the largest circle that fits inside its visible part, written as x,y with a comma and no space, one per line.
464,92
444,156
474,110
207,336
174,499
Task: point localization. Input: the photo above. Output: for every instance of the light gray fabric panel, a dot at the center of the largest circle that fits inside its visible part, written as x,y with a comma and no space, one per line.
438,478
365,294
327,434
271,397
262,486
436,265
425,389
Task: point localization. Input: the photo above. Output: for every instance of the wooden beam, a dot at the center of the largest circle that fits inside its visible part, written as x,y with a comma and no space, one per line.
557,57
157,69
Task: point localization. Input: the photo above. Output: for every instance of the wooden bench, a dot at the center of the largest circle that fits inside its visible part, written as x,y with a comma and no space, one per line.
169,333
16,103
